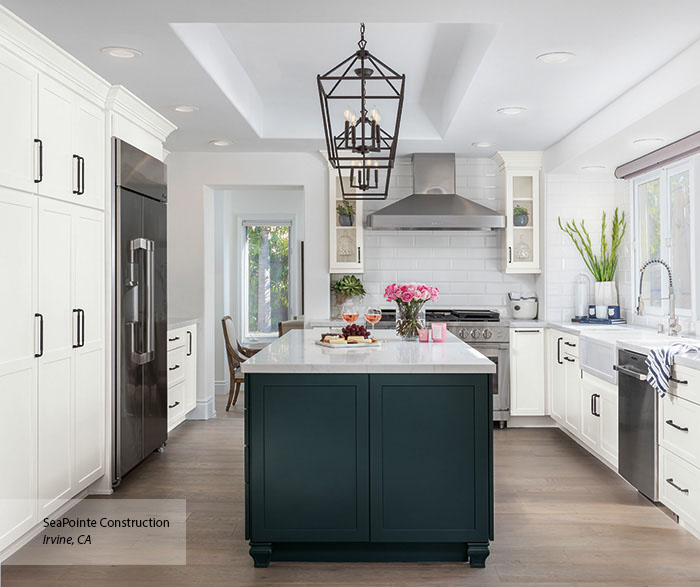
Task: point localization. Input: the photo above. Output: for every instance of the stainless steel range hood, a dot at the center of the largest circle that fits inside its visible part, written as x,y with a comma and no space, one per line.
434,205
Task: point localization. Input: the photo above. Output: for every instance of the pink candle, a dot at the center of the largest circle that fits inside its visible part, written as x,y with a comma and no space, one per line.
423,335
439,331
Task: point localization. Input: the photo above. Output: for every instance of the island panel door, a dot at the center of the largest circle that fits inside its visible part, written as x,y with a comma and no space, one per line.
430,472
309,470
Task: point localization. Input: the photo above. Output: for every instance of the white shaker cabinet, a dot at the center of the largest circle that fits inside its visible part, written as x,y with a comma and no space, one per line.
191,368
182,373
18,365
555,375
527,380
18,115
88,143
572,393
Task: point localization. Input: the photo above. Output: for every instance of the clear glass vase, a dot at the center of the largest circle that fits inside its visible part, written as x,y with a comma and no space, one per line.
410,318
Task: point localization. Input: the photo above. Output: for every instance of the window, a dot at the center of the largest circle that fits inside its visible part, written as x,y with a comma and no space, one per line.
266,298
664,230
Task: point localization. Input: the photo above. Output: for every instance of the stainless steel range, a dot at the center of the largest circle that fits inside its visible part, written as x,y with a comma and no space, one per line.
483,330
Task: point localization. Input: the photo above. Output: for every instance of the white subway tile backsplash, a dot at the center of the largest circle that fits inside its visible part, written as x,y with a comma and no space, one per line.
466,267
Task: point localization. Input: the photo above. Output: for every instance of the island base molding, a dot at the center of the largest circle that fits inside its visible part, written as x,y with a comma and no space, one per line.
263,553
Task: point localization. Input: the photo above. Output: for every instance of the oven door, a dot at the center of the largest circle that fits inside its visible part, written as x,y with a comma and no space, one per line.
498,354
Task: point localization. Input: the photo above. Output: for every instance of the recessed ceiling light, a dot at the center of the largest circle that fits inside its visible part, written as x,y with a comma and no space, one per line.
556,57
220,142
184,108
481,144
647,140
511,110
121,52
593,167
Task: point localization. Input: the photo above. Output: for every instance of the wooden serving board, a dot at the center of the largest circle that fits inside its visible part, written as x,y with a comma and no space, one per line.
355,345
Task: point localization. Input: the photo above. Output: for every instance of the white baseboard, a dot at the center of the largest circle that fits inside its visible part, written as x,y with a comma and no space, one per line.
531,422
204,410
221,387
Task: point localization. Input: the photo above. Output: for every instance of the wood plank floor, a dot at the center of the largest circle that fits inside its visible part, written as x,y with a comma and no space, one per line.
562,518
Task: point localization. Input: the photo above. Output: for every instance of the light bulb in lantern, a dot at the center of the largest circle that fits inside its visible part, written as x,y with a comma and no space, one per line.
374,114
348,113
353,118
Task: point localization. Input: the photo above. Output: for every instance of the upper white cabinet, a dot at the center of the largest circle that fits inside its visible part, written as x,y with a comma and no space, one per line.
519,179
527,381
18,115
345,230
72,146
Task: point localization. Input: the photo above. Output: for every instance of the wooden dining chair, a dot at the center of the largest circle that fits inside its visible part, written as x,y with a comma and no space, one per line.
236,354
287,325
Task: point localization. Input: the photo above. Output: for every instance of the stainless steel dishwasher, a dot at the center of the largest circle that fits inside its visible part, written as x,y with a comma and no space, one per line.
638,438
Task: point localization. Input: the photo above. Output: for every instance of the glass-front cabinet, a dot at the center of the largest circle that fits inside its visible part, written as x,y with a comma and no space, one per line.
345,229
519,174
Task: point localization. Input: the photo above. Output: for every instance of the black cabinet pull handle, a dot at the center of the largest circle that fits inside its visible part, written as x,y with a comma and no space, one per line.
174,405
527,331
567,343
81,176
676,426
559,350
596,397
592,402
680,381
510,254
189,343
672,484
76,159
173,368
77,335
570,360
41,335
41,160
359,256
174,339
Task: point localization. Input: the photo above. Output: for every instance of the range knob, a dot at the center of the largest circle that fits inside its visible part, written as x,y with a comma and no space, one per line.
462,333
487,333
475,333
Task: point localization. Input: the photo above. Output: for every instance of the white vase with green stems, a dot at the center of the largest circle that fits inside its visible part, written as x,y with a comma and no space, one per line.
604,265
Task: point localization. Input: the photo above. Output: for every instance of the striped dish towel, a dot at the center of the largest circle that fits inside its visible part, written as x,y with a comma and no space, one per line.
659,362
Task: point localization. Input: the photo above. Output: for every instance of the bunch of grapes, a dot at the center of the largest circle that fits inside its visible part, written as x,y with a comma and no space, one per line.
355,330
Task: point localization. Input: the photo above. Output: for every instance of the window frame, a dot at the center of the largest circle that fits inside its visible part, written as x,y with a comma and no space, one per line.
664,174
244,221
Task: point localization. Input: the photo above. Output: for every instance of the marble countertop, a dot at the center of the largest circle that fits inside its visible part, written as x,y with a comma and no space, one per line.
180,322
297,352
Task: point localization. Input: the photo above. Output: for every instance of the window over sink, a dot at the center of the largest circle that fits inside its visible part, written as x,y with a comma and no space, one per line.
664,228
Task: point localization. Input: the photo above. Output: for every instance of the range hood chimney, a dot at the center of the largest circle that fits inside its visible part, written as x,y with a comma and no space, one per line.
434,205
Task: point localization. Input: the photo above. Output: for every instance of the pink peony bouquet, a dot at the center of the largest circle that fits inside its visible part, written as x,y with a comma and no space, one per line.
410,299
410,292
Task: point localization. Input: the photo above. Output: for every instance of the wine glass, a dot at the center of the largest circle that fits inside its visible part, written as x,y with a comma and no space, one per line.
373,314
350,312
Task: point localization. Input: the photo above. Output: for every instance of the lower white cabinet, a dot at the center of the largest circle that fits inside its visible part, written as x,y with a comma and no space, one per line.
599,417
52,397
182,373
527,380
555,375
572,393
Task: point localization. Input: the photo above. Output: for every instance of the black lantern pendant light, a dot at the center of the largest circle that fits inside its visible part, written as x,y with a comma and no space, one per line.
364,144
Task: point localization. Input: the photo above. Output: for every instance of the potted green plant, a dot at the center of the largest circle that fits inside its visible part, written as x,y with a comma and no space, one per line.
346,213
602,266
348,286
521,215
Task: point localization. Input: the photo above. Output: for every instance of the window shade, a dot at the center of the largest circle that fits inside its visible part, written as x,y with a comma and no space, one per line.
680,149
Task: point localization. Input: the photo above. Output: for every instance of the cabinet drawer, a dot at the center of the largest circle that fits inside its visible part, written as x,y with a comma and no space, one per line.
686,384
176,365
679,487
569,345
176,402
680,428
177,338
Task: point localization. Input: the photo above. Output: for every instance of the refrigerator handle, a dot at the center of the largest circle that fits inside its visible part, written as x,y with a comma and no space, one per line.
147,246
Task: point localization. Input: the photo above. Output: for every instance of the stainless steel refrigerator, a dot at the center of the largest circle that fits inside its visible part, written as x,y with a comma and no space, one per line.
140,306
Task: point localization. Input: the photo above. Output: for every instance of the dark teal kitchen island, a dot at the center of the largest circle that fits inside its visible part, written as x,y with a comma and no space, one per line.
368,454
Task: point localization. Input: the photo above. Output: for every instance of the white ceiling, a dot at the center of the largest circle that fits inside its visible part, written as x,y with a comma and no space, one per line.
250,66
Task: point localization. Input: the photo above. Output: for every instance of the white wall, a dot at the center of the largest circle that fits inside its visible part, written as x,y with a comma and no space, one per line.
466,266
193,179
577,197
232,206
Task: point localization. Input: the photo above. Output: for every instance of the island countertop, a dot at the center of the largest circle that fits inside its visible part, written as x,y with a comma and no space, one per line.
297,352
